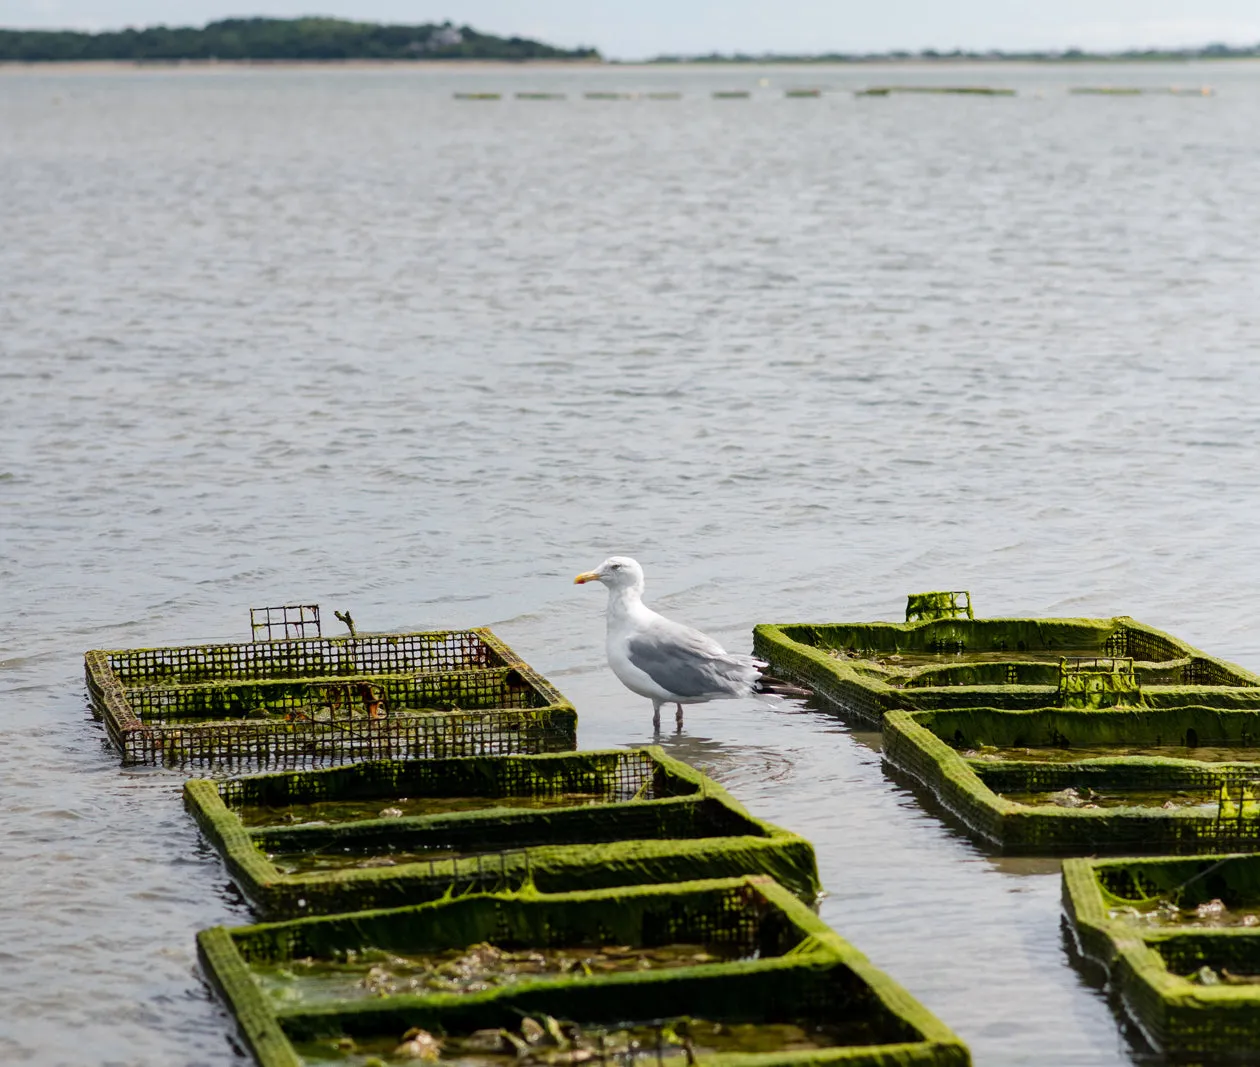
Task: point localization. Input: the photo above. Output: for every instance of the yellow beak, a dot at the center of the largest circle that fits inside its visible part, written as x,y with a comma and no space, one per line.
588,576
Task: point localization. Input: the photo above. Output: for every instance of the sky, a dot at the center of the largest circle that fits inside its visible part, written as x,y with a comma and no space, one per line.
644,28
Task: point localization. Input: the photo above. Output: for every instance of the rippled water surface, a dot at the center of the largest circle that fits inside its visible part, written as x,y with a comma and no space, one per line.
333,336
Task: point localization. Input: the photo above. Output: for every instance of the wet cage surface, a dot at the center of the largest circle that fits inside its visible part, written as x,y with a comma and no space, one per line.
235,372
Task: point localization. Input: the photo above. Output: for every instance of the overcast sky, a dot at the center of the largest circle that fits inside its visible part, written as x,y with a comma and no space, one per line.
628,29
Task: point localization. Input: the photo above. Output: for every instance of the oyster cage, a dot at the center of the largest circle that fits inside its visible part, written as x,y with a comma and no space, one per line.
943,660
1098,682
780,963
1180,942
291,620
342,839
314,700
1059,781
953,604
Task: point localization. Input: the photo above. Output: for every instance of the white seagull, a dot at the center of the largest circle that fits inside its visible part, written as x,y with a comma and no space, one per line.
660,659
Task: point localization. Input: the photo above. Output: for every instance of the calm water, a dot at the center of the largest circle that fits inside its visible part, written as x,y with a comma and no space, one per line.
270,337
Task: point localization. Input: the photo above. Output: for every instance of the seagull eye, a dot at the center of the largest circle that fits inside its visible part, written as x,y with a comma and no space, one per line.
616,566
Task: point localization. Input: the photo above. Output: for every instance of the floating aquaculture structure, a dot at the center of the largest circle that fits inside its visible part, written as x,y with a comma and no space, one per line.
731,94
957,90
540,96
388,833
1134,90
1085,780
725,972
944,657
798,93
1180,941
302,699
478,96
608,96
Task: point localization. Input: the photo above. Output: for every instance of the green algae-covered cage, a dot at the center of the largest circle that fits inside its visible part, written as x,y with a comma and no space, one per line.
946,90
793,967
313,700
944,752
952,662
596,819
1155,970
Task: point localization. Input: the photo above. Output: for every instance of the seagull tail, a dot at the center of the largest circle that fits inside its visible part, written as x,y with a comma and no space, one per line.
778,687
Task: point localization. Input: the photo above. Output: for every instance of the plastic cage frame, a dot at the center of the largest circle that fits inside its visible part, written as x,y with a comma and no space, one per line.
804,970
311,701
662,821
868,669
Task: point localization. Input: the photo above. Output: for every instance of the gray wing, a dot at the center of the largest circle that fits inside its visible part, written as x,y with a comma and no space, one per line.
688,663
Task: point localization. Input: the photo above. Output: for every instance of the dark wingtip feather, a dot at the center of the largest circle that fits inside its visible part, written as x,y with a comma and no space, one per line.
778,687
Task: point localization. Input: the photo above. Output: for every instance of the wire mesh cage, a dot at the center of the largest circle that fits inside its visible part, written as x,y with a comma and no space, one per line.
1177,938
951,604
1098,682
310,701
779,964
386,833
1062,781
287,621
868,669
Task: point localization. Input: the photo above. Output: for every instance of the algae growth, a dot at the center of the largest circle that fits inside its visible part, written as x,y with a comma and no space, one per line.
1209,915
550,1043
1048,754
910,660
343,811
1084,797
1206,976
349,860
364,973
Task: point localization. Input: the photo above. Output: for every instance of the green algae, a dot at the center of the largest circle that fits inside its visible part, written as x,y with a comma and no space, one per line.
962,90
350,860
366,973
1086,798
676,1040
1209,915
910,660
1074,754
1206,976
343,811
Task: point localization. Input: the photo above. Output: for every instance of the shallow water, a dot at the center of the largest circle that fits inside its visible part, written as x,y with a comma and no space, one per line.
1045,754
1089,798
339,811
1210,915
375,973
913,660
706,1039
331,336
347,860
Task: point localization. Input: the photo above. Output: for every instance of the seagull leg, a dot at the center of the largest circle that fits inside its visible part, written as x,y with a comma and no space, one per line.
678,717
656,716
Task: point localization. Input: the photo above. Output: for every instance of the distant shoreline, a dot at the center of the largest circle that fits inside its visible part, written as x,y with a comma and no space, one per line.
430,66
427,65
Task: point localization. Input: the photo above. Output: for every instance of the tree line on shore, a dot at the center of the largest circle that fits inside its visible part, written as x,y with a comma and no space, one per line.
277,39
327,39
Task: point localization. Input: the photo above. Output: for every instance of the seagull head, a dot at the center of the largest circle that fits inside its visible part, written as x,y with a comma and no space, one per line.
616,572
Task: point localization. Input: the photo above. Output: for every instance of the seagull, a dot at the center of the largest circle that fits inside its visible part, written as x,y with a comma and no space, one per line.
660,659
